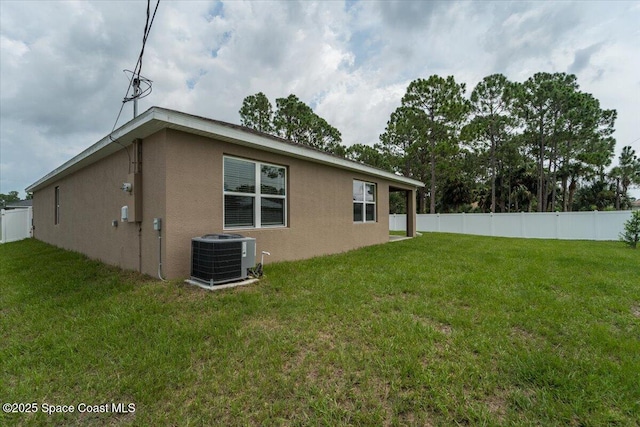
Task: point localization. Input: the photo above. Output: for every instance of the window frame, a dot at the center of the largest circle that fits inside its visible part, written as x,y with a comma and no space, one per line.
56,205
364,203
257,195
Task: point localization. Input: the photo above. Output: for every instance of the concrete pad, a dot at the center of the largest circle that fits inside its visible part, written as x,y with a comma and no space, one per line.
222,286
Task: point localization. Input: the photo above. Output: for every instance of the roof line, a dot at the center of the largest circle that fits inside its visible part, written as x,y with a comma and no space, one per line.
105,146
157,118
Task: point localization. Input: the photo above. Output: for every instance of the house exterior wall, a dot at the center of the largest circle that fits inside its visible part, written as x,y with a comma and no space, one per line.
319,204
90,200
154,198
182,183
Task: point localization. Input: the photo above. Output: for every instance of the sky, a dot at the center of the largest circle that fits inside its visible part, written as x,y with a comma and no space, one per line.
62,81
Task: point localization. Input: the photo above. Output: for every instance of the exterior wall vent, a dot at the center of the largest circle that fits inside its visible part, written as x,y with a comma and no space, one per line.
221,258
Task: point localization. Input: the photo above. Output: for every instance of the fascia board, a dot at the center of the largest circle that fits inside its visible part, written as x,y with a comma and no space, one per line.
191,124
124,135
156,119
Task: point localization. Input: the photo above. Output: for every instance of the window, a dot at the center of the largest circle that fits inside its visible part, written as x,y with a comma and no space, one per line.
364,201
254,194
57,206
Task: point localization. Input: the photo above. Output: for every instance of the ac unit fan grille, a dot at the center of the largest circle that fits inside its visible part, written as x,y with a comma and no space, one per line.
216,261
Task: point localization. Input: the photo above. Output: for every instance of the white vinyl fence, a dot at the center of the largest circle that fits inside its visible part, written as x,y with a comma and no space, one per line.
15,224
543,225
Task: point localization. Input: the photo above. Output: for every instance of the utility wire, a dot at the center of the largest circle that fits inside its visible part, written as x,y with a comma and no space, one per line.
136,74
147,30
138,68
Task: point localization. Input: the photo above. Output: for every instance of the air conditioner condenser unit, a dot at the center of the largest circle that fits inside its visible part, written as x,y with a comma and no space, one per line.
221,258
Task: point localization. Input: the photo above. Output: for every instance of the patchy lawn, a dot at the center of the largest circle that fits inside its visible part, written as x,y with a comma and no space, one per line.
437,330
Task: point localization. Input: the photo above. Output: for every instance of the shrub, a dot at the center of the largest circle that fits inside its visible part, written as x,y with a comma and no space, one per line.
631,234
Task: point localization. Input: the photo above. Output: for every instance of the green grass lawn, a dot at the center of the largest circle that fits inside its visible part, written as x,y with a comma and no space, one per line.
439,330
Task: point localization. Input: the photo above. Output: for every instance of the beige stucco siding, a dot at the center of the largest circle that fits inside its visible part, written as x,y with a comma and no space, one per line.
319,201
182,183
90,199
154,157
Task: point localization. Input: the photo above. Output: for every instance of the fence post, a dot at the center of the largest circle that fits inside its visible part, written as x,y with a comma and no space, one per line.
557,226
3,227
30,221
596,226
522,227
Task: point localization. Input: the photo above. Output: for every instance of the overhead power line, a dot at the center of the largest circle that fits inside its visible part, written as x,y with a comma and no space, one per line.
135,78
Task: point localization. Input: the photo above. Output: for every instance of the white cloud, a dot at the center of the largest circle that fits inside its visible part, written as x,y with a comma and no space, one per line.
62,82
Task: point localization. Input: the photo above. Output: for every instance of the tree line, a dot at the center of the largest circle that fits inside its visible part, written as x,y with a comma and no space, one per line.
541,145
12,196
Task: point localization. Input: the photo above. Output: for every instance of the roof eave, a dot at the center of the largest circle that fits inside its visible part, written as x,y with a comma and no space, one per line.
118,139
213,129
157,118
